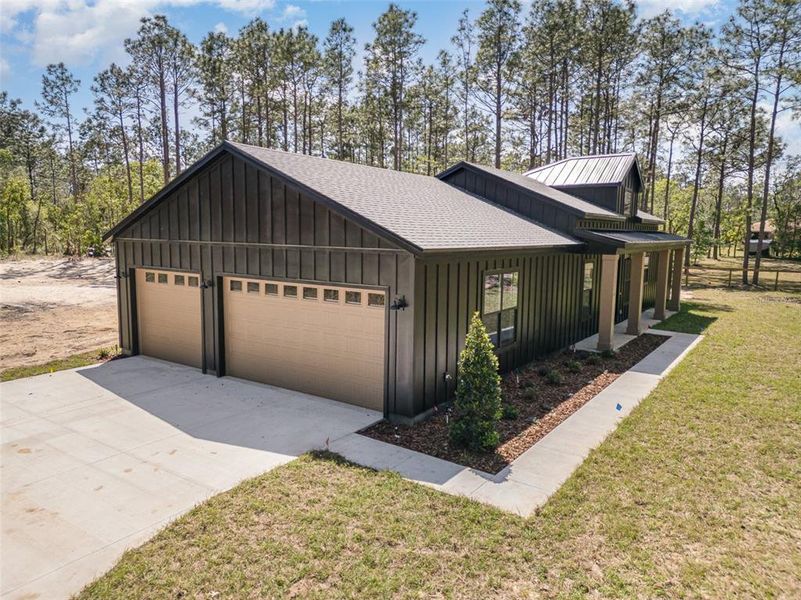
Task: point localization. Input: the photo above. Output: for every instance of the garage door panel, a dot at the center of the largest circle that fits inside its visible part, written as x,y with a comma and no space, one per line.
330,349
168,315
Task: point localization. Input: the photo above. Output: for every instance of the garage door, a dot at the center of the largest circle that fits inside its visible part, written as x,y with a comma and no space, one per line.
168,315
322,340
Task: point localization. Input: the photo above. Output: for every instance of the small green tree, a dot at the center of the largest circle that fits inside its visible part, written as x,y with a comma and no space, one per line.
477,408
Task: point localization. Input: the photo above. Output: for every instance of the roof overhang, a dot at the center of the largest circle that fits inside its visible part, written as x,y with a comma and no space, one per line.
623,242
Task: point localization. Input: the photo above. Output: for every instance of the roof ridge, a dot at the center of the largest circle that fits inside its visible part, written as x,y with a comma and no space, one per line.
325,159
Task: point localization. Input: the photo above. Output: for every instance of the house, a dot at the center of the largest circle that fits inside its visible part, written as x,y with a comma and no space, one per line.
768,232
357,283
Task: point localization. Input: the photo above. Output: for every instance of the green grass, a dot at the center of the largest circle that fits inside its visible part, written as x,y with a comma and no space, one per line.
697,493
71,362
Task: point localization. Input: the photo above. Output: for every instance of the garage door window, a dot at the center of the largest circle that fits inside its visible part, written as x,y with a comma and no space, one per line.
253,287
192,281
376,300
290,291
309,293
178,280
150,277
353,297
331,295
236,286
163,278
271,289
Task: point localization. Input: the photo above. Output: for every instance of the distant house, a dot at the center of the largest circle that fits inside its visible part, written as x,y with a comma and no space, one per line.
767,238
357,283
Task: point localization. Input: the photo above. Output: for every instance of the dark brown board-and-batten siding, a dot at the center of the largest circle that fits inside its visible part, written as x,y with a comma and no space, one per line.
271,230
448,292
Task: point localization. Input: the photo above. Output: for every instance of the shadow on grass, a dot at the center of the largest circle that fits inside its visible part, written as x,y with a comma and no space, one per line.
694,317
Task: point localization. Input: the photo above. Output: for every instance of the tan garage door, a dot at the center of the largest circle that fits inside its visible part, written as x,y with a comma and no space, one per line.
322,340
168,315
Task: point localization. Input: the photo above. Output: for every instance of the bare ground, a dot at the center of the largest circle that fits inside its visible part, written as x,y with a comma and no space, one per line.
55,307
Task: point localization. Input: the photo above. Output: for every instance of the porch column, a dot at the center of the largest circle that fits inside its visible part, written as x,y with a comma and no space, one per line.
675,292
606,302
662,270
635,293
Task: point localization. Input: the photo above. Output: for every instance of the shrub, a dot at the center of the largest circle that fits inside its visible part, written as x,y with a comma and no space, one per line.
542,370
573,366
104,353
592,359
554,377
530,394
509,412
608,354
477,407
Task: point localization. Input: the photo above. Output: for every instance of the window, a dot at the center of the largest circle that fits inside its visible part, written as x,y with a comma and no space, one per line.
586,290
150,277
500,307
290,291
353,297
163,278
331,295
310,293
646,261
235,286
192,281
178,280
253,287
271,289
628,197
375,300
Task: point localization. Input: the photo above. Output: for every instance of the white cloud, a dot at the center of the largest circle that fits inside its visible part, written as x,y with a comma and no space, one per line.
246,6
292,11
650,8
79,31
4,68
220,28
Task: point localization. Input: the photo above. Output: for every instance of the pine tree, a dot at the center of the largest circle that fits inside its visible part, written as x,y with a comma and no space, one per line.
340,48
477,407
58,87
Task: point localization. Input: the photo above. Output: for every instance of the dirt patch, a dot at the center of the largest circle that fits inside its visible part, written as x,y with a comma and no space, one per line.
52,308
539,405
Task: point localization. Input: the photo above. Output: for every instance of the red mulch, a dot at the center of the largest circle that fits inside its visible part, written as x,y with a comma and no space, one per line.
538,412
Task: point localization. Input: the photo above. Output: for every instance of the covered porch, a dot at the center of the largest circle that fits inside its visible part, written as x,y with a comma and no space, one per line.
611,245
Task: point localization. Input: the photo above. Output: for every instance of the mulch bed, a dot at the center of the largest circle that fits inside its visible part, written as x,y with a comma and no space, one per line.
538,411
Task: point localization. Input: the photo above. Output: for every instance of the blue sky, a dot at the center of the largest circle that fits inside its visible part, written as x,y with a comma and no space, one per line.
87,35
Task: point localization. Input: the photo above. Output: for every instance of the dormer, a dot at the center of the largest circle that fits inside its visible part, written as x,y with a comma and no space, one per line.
611,181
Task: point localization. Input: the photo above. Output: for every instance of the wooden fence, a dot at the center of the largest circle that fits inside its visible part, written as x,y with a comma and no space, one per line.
770,279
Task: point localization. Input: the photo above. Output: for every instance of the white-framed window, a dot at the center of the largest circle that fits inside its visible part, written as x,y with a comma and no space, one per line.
499,306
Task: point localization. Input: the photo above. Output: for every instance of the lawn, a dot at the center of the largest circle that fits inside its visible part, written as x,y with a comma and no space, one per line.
697,493
83,359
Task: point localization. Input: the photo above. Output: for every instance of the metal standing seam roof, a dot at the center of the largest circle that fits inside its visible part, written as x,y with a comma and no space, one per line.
648,217
586,209
604,169
629,239
423,213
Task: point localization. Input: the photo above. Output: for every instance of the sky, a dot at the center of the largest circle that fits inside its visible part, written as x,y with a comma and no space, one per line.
87,35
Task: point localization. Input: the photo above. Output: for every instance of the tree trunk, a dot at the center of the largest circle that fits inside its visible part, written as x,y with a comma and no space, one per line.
719,200
699,157
750,185
769,160
165,152
177,128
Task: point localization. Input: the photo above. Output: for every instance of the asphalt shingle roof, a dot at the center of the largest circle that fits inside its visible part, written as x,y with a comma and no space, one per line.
601,169
424,211
648,217
587,209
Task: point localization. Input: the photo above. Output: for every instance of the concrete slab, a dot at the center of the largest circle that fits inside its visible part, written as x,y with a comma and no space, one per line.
620,338
94,461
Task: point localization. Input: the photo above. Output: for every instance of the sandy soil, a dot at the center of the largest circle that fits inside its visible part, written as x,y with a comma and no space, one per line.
55,307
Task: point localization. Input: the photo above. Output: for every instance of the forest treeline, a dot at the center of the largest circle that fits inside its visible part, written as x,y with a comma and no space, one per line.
516,88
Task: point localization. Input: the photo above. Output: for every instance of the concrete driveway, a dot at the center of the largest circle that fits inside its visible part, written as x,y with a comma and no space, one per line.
96,460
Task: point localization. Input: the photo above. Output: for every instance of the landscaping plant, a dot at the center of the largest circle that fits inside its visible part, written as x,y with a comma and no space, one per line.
477,407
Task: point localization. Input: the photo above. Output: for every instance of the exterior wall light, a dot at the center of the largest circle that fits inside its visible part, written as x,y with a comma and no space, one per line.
399,303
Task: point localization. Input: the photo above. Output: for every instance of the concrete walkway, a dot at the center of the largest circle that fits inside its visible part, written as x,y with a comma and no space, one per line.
620,338
97,460
536,474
